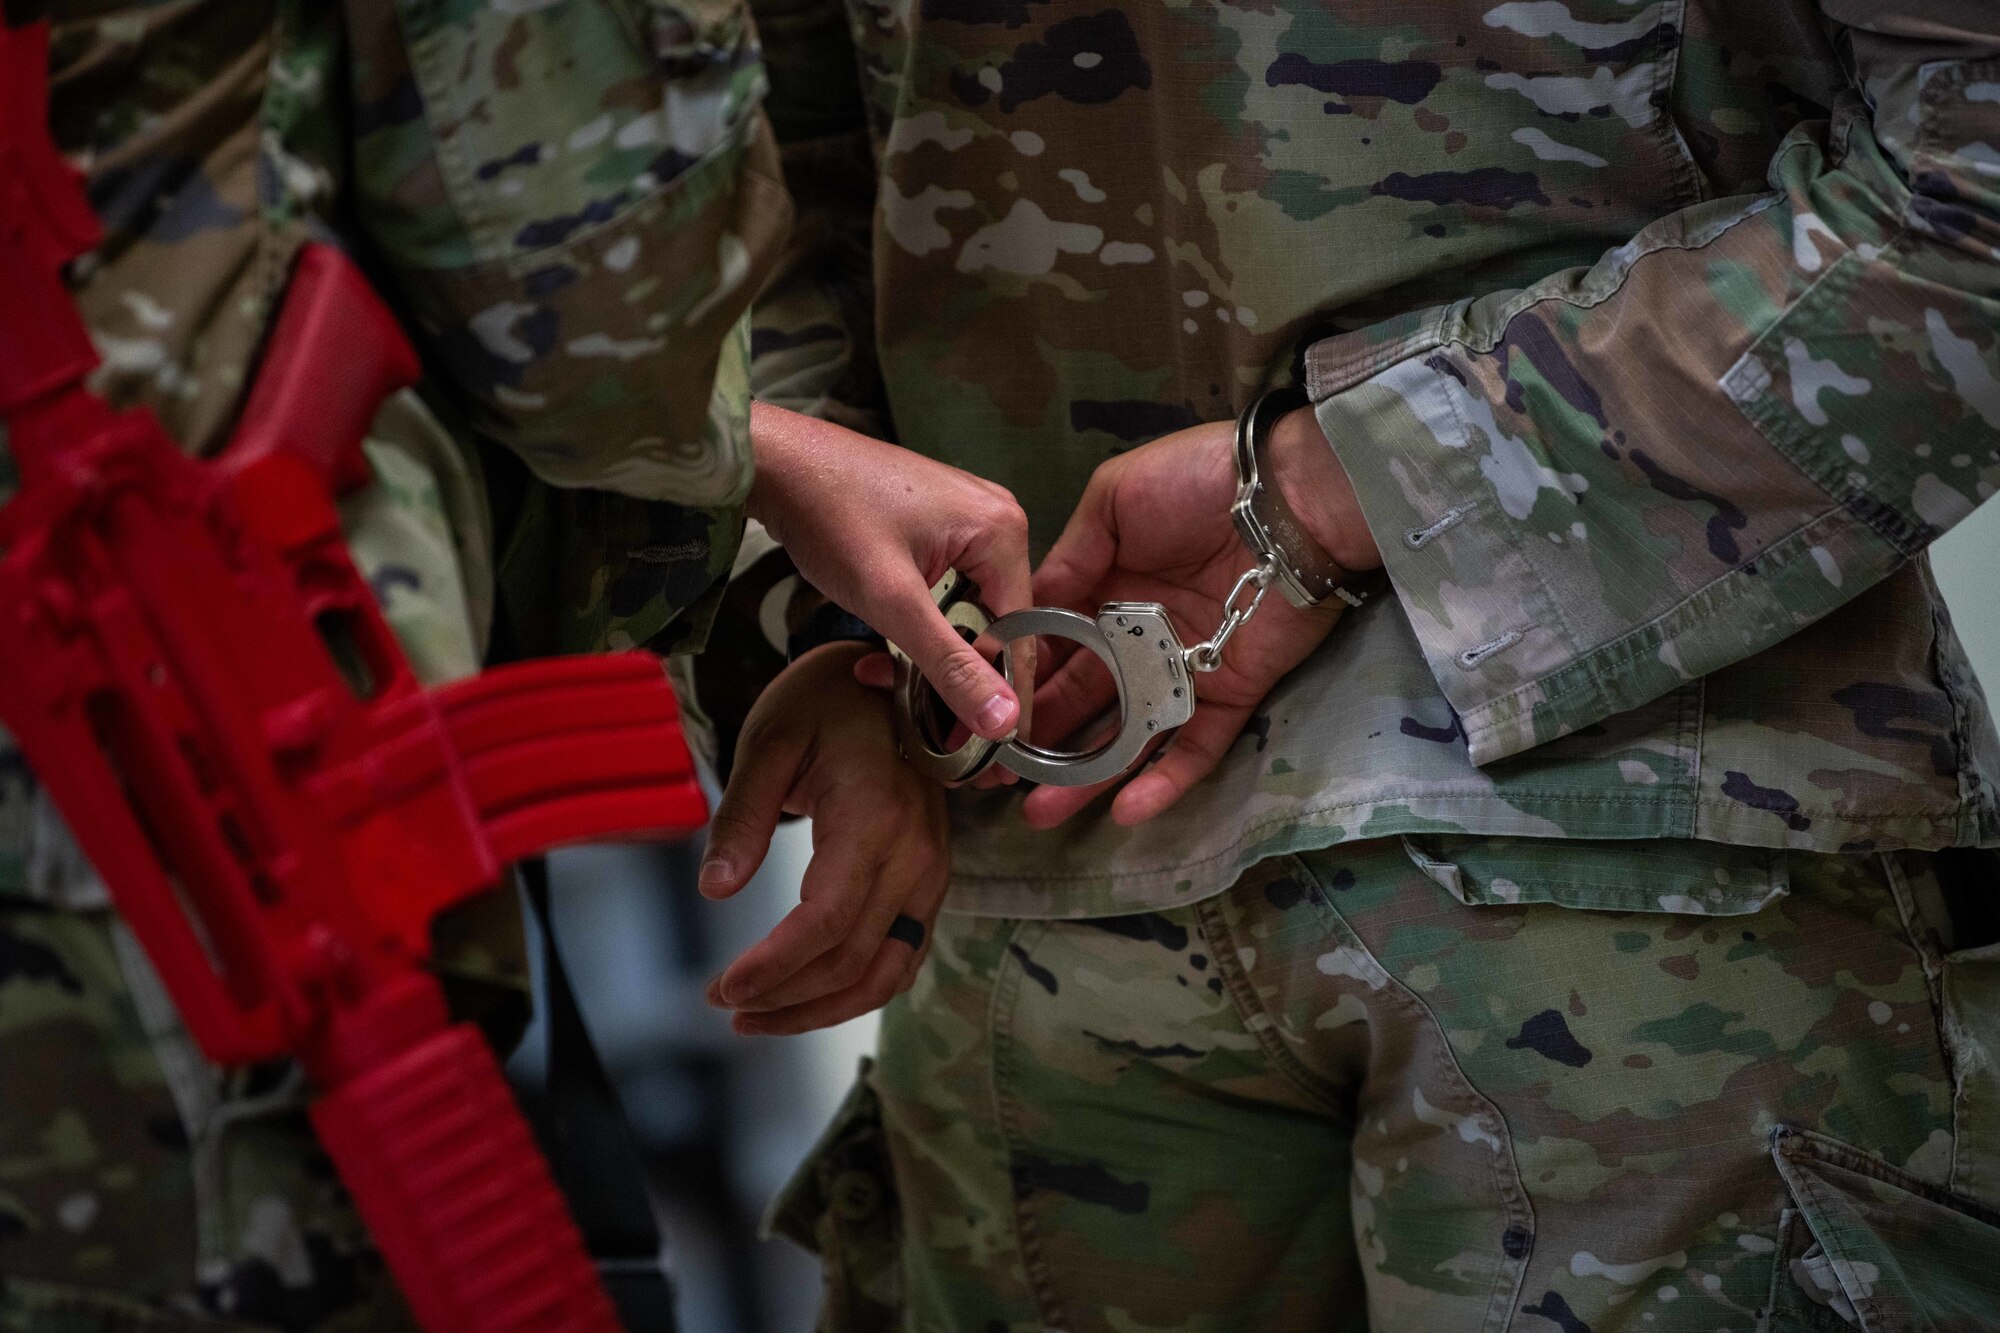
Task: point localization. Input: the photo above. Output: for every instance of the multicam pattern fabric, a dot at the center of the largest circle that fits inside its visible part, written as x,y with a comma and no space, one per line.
1339,1096
1659,339
575,204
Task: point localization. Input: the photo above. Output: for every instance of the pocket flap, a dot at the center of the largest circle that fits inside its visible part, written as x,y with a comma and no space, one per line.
1909,1256
1641,875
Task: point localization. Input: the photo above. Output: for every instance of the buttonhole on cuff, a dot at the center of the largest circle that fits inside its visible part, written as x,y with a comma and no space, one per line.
1416,537
1472,657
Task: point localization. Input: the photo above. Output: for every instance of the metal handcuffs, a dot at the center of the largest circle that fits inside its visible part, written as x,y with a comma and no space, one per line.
1153,672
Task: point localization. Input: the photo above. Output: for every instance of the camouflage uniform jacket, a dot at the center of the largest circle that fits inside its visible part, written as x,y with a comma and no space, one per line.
573,209
1659,339
571,206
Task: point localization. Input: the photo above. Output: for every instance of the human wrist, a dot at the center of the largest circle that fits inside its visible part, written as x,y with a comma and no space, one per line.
779,447
814,620
812,680
1309,475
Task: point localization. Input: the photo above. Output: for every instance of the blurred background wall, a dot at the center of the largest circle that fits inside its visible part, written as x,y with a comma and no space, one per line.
721,1121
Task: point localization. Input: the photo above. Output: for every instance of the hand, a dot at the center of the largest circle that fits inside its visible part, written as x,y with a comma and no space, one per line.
820,744
873,526
1154,526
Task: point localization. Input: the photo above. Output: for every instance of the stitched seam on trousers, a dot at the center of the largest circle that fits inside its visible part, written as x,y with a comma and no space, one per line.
1516,1207
1921,938
999,1027
1243,997
1813,1199
1843,1156
1790,1223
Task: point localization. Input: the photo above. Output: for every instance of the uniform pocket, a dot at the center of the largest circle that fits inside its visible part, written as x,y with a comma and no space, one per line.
841,1204
1867,1246
1642,875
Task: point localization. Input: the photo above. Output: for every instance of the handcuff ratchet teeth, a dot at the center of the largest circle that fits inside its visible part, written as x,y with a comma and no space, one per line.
1135,640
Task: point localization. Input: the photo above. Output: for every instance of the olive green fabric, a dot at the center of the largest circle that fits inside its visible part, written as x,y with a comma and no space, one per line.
1346,1095
1658,340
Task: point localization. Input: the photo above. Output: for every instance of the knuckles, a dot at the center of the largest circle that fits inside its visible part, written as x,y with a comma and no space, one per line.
995,513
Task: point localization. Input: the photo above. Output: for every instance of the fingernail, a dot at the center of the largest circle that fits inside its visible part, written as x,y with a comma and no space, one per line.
994,712
716,872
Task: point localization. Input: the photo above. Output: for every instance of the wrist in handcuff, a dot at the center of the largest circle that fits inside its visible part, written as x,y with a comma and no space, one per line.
1309,475
814,621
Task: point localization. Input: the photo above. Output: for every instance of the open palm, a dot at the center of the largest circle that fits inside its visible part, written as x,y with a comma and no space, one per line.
1154,526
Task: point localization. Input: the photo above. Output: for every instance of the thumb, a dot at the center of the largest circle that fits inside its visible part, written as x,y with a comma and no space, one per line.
877,671
739,835
967,682
1077,564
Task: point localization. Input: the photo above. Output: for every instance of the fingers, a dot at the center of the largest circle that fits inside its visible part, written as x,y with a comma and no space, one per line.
1076,695
890,972
1081,558
877,671
877,959
1047,806
996,556
839,882
739,835
967,682
1191,755
835,969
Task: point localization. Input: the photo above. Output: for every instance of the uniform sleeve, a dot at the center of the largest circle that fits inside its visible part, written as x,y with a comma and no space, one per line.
813,336
1592,490
812,342
576,204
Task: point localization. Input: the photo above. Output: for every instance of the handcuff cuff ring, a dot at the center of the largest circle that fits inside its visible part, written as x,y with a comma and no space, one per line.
923,723
1134,640
1138,646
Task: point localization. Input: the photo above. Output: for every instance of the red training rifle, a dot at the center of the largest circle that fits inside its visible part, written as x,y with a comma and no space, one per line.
200,677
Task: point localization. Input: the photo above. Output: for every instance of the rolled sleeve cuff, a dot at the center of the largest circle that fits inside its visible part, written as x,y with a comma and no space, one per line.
1400,410
1384,399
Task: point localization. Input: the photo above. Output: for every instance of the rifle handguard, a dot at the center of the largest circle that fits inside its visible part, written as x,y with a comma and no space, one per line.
443,1171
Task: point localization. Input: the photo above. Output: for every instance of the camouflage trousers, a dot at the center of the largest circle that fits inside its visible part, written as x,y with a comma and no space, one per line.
1403,1086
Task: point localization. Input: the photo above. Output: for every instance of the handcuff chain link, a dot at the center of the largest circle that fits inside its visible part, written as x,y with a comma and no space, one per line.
1207,655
